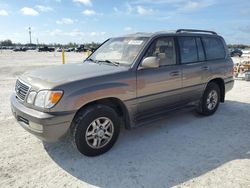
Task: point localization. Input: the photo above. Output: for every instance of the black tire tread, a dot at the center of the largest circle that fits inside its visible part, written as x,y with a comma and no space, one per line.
202,109
77,123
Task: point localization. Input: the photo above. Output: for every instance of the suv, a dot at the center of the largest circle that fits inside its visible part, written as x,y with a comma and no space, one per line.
129,81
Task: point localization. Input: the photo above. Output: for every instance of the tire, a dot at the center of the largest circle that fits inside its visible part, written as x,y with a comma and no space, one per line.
95,130
210,100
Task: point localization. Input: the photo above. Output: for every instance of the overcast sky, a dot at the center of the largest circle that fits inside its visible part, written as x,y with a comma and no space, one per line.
80,21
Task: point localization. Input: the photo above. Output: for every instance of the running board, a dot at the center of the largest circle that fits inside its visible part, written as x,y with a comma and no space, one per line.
161,115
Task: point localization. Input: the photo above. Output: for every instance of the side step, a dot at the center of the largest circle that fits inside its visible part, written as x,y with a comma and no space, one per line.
160,115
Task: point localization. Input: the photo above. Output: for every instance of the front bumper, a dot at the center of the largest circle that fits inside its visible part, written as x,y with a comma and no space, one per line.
46,126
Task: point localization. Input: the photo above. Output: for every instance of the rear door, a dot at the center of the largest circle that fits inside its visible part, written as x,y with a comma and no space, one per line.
194,67
158,88
216,58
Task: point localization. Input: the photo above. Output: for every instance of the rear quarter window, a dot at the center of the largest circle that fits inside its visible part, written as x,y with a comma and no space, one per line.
214,48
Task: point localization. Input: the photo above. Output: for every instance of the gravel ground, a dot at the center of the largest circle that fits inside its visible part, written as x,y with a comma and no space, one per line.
185,150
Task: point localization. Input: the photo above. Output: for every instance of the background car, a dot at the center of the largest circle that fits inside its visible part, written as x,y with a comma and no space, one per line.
69,49
20,49
236,52
46,49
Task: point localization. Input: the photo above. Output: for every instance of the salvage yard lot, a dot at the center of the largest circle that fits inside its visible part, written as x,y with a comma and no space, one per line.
184,150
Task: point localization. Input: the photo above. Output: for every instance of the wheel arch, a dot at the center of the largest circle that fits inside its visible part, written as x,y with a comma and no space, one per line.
221,84
114,103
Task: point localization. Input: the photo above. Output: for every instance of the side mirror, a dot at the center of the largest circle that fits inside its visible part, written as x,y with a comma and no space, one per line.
150,62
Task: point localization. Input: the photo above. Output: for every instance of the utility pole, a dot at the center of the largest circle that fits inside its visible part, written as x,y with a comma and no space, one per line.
30,34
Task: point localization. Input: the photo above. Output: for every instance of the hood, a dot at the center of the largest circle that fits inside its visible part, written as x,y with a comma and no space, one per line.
50,77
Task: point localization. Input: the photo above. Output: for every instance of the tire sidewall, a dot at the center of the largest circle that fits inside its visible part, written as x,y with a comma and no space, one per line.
210,87
85,120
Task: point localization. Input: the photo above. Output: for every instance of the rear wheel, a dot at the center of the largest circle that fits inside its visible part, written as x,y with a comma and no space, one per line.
95,130
210,100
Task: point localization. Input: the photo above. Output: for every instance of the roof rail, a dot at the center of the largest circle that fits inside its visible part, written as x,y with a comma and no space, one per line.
195,31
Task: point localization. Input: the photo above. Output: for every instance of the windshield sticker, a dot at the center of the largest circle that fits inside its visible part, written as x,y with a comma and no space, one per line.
135,42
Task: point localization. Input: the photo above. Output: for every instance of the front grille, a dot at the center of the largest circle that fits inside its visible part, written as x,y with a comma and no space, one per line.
21,89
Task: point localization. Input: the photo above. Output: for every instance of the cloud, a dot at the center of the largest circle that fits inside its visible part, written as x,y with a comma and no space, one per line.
97,33
44,8
129,8
75,33
128,29
85,2
55,32
115,9
194,5
89,12
29,11
144,11
66,21
3,13
190,6
132,8
176,5
161,2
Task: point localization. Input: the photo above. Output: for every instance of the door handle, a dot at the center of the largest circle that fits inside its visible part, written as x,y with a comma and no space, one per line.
175,73
204,68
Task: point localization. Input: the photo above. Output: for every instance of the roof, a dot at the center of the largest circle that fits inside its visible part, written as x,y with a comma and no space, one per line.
173,32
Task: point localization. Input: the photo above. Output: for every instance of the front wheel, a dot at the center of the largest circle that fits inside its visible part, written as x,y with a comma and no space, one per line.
210,100
95,130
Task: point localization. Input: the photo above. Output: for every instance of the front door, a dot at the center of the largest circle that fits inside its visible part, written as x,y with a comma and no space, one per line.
158,88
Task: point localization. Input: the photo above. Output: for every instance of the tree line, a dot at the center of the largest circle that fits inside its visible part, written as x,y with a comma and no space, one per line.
241,46
8,42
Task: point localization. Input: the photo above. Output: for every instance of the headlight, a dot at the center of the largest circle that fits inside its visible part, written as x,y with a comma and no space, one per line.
31,97
47,99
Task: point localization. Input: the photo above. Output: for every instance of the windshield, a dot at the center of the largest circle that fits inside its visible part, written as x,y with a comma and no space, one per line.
122,50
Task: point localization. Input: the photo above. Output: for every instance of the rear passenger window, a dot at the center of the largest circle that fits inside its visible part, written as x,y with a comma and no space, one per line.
214,48
188,49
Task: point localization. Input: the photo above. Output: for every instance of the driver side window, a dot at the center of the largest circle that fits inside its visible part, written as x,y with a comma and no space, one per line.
164,49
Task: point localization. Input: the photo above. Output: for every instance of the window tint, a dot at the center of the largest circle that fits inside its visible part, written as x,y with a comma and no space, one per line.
201,54
188,49
164,49
214,48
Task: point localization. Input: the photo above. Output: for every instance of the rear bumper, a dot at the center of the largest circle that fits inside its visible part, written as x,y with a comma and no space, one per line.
229,85
46,126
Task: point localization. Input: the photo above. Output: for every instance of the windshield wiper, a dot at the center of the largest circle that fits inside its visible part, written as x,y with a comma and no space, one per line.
90,59
111,62
106,61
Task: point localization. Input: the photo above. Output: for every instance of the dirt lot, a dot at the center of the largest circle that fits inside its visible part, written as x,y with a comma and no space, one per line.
185,150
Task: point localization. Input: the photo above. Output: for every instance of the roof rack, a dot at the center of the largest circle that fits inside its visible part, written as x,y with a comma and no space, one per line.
195,31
